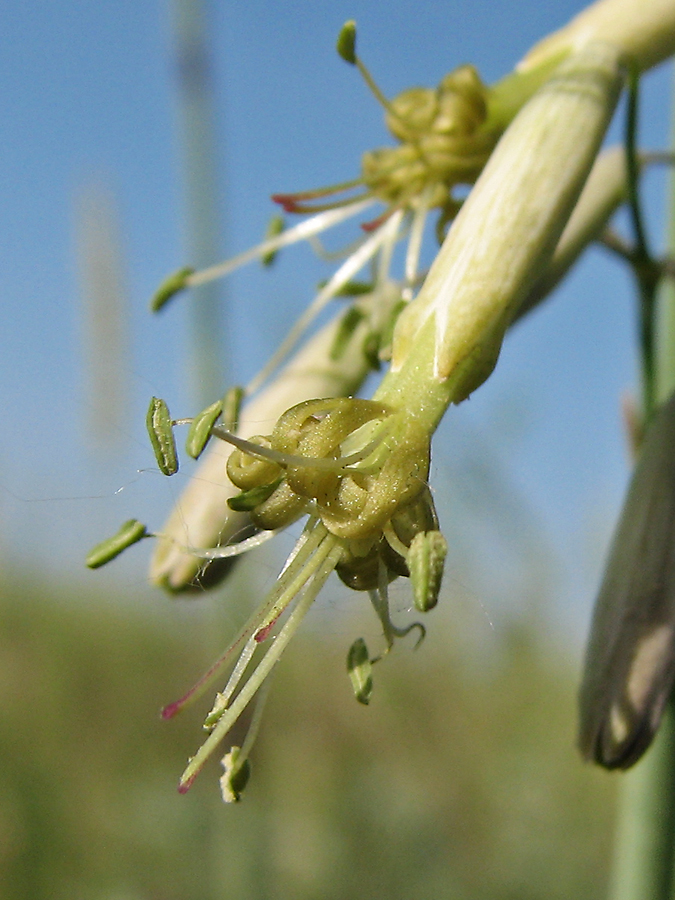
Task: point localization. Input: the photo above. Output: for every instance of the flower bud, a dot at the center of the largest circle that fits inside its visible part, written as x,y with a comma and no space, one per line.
630,660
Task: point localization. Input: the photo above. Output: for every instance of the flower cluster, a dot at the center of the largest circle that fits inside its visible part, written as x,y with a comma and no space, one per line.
357,469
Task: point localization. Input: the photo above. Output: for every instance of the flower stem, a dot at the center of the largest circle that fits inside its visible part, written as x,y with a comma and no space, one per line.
644,855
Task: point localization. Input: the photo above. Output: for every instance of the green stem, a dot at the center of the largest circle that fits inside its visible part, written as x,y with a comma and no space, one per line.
643,861
647,272
645,840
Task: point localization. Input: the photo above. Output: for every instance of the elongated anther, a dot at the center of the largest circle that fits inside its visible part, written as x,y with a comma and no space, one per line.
346,42
130,533
171,286
359,668
163,442
200,429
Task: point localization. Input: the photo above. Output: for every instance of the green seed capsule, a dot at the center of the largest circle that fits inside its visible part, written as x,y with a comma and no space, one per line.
158,422
360,668
426,559
200,429
130,533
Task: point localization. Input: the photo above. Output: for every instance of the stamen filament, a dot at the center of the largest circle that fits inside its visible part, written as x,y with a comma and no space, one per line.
341,464
224,697
334,255
306,545
414,248
296,585
377,93
305,209
265,666
338,188
394,541
345,273
228,550
380,602
301,231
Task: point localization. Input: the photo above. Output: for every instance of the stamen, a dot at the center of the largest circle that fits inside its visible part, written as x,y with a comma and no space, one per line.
346,47
308,542
229,550
300,232
296,585
332,557
394,541
341,464
223,698
333,255
412,256
345,273
380,602
286,199
291,206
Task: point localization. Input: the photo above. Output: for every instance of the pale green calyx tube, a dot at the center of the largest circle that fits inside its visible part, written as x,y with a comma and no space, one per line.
447,341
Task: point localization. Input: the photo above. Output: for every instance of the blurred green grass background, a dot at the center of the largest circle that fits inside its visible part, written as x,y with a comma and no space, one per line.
460,780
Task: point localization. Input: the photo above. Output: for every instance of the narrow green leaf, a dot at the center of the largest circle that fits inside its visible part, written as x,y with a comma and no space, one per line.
130,533
160,429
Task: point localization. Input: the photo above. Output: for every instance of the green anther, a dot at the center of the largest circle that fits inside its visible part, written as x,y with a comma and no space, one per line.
130,533
248,500
348,324
171,285
236,776
232,407
346,42
426,559
200,429
360,668
387,334
354,288
275,227
371,350
160,429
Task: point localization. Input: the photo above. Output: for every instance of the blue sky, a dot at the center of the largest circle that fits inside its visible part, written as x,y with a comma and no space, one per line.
89,98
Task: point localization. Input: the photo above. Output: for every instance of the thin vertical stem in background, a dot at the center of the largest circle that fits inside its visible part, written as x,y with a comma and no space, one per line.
197,115
105,317
645,843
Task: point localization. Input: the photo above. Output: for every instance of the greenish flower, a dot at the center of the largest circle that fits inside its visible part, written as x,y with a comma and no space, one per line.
356,470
